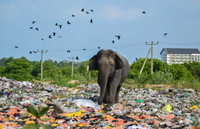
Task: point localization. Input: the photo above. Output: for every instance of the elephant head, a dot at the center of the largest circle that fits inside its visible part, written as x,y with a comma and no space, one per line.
108,63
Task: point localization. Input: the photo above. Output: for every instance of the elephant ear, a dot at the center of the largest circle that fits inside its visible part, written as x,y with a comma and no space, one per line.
118,62
93,65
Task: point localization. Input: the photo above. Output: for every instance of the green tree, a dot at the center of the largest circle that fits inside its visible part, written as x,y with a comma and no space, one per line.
194,68
19,69
135,68
180,72
4,61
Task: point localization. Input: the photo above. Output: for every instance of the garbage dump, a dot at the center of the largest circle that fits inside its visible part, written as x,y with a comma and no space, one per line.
77,107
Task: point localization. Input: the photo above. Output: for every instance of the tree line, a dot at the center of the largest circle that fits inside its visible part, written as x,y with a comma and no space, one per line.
59,72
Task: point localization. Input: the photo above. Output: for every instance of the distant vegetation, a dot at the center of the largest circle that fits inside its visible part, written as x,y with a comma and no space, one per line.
184,75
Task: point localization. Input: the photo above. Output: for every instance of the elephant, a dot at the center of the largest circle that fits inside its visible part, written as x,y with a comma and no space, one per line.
112,72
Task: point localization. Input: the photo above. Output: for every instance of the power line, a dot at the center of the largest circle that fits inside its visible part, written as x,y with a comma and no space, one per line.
176,43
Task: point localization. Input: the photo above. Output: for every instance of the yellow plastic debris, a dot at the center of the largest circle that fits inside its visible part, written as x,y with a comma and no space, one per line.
79,113
53,125
167,108
194,107
30,122
80,125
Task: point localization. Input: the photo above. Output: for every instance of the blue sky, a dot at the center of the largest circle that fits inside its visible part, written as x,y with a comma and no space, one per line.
179,18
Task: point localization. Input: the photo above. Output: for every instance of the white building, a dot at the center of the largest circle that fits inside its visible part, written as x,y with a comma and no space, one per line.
180,55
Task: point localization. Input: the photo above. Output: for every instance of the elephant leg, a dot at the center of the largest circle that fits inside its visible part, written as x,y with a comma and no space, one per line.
113,86
105,99
117,93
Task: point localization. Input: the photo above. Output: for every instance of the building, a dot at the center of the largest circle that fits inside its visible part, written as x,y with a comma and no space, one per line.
180,55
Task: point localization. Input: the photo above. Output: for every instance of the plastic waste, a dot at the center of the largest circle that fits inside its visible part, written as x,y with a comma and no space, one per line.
86,102
167,108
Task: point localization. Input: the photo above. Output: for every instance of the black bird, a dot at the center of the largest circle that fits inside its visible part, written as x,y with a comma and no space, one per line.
143,12
54,33
59,37
84,49
42,39
82,10
68,51
68,22
98,47
73,15
113,41
77,58
60,26
33,22
118,36
31,27
37,29
91,10
30,52
50,36
165,34
87,12
91,21
16,47
34,52
56,24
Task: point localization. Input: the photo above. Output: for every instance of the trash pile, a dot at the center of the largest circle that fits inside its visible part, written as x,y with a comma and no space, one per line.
77,107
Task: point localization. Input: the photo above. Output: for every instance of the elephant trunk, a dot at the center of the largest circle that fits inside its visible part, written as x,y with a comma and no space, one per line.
102,81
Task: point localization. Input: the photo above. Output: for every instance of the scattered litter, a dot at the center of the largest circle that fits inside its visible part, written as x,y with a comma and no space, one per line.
78,108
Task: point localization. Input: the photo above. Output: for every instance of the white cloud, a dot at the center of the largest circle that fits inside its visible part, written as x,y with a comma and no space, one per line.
115,12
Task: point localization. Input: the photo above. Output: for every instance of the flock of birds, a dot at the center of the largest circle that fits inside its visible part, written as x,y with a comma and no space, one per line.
54,34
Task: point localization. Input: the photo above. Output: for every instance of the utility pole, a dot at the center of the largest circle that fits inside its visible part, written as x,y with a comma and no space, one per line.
145,62
73,64
150,50
42,51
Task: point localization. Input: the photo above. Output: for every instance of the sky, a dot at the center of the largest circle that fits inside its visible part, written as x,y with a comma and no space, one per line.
180,19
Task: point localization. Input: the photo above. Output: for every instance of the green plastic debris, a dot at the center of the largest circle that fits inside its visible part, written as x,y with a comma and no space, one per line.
139,101
167,108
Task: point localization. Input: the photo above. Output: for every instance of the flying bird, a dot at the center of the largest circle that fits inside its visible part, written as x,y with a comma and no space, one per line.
91,20
50,36
30,52
87,12
84,49
16,47
37,29
91,10
98,47
77,58
143,12
68,51
118,36
68,22
54,33
42,39
31,27
113,41
56,24
59,37
33,22
34,52
73,15
82,10
60,26
165,34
